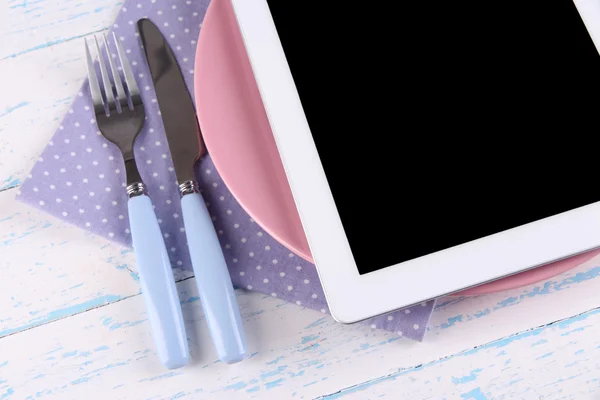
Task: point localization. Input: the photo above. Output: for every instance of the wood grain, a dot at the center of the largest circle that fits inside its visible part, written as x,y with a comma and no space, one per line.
37,89
557,360
27,26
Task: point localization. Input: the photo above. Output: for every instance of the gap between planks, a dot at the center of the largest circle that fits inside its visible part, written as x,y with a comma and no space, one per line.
53,43
108,303
91,308
8,188
403,371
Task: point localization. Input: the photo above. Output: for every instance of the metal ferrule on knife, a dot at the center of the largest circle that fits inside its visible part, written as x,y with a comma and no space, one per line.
136,189
188,187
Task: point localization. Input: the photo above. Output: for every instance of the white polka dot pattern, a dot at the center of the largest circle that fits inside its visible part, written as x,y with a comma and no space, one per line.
80,178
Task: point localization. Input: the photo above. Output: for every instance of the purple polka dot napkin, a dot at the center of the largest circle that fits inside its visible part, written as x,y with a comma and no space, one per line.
80,178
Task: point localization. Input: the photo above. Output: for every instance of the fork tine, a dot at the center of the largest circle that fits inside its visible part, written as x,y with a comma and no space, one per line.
108,90
93,80
132,86
121,95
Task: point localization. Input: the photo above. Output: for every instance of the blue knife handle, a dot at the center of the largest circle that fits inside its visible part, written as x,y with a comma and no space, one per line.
158,284
214,283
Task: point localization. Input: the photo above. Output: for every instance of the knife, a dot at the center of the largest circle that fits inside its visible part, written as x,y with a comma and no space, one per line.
185,142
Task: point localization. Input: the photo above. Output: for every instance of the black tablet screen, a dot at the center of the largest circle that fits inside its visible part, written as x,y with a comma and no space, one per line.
440,122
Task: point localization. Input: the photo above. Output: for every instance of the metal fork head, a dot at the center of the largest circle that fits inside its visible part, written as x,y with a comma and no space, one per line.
118,106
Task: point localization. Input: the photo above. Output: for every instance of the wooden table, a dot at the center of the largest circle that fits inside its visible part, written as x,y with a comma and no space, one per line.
73,324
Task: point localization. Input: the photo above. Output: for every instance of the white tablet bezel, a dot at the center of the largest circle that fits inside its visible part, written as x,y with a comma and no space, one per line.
352,297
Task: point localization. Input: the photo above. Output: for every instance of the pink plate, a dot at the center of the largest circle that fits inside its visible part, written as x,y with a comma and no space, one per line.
239,138
236,130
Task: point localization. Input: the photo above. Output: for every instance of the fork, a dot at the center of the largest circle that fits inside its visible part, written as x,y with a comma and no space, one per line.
120,120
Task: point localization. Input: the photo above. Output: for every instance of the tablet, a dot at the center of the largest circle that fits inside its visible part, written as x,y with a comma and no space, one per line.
431,146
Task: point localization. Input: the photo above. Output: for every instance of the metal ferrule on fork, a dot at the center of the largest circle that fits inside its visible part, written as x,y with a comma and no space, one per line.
188,187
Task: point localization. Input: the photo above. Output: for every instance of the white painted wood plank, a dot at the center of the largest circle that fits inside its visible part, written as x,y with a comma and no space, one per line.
294,351
107,353
30,25
51,270
558,361
501,314
37,89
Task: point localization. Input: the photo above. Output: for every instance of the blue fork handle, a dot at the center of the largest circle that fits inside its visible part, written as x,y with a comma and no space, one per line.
214,283
158,284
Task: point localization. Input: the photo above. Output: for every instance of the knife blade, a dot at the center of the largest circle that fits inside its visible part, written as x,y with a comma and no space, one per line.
178,113
185,143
